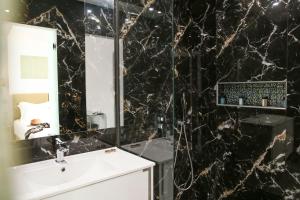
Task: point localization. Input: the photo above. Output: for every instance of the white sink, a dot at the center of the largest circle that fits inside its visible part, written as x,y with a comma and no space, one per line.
58,174
47,178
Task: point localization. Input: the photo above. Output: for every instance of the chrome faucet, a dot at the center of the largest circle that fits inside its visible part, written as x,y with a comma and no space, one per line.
61,149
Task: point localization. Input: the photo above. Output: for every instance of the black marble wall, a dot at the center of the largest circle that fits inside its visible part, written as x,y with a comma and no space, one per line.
217,154
195,79
146,57
146,35
99,19
251,40
293,63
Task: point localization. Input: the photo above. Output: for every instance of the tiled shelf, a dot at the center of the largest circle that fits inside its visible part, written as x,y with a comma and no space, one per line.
258,107
252,93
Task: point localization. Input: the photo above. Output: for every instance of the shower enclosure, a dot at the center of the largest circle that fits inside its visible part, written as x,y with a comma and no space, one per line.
142,52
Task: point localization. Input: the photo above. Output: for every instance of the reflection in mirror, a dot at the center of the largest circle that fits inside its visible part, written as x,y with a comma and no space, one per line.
100,88
100,92
32,72
99,62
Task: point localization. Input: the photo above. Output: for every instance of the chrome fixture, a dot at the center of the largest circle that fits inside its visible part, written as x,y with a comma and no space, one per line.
61,149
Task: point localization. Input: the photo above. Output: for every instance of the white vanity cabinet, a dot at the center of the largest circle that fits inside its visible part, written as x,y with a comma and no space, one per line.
133,186
109,174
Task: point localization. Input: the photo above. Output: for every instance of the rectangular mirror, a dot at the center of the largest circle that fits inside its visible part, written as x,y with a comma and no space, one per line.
99,65
100,91
32,80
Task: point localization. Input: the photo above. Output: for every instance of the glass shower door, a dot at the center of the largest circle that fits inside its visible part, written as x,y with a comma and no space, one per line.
146,84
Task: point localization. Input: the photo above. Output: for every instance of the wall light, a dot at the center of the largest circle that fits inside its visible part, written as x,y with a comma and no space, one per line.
7,11
151,9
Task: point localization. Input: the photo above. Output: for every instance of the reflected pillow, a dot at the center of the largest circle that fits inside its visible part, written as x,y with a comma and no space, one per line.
30,111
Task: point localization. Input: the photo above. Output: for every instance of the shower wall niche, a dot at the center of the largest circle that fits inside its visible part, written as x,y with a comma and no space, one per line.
252,94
